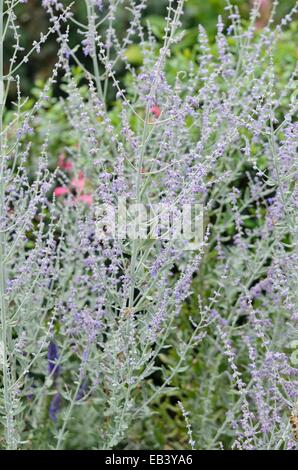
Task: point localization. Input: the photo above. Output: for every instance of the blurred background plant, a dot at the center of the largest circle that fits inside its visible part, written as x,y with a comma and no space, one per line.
33,19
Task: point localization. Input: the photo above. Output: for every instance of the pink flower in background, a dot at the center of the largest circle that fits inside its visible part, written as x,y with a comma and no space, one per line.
61,191
156,111
86,198
78,182
264,12
76,189
64,163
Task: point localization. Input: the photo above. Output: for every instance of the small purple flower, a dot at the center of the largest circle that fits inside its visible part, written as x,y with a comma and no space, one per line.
53,356
82,390
55,407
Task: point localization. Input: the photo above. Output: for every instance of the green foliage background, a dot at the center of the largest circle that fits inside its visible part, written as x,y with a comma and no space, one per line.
33,20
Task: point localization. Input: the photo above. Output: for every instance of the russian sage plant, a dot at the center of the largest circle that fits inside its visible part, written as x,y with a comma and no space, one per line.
90,317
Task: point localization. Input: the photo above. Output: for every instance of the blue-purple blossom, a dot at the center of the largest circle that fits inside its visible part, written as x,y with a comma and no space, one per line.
55,407
53,360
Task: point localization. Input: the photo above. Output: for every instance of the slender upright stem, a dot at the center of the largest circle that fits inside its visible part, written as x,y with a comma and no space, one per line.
5,330
91,25
67,416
